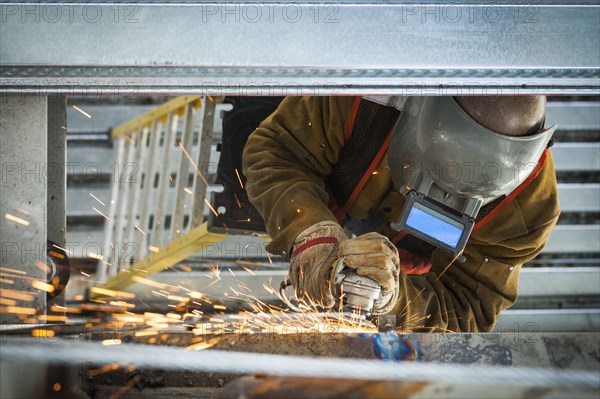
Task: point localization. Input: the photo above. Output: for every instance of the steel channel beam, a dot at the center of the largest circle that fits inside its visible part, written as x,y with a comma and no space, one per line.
23,205
347,47
57,179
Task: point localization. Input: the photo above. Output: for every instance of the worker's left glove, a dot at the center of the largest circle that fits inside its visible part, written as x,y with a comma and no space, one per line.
315,254
373,255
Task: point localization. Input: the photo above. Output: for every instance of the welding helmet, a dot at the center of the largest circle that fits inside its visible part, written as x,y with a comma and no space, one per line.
448,165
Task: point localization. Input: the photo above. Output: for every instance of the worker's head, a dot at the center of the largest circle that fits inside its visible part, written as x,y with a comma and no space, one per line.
463,152
508,115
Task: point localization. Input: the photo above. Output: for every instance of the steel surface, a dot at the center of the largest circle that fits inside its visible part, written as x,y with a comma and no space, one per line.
371,48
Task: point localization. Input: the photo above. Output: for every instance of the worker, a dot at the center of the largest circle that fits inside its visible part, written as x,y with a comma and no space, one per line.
440,200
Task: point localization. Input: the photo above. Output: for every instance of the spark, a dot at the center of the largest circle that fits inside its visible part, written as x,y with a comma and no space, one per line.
204,344
42,286
298,210
195,295
82,111
84,273
187,154
63,127
42,266
185,269
103,369
24,212
149,282
210,98
56,387
62,249
221,307
269,257
146,333
112,293
232,273
375,172
239,178
248,270
140,230
123,304
211,207
6,301
57,308
8,269
95,256
101,214
111,342
177,298
16,219
42,333
237,200
18,310
6,281
447,267
187,190
152,248
97,199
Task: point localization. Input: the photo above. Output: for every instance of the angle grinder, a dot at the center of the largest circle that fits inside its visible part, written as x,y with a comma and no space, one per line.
356,294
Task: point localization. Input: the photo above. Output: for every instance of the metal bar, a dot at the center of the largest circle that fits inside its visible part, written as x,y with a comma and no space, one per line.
124,178
187,139
23,204
576,156
387,60
557,320
574,238
575,115
57,180
188,244
556,281
575,197
154,114
164,179
173,358
149,168
112,224
203,164
133,199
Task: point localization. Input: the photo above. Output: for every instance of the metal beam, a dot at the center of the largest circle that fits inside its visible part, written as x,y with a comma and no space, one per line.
23,213
557,281
576,197
570,157
348,47
574,238
556,320
574,116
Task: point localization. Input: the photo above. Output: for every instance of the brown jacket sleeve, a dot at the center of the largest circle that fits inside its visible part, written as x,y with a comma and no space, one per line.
469,296
286,160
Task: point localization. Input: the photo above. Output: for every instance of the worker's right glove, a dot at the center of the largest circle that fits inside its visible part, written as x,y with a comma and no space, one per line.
313,261
373,255
315,255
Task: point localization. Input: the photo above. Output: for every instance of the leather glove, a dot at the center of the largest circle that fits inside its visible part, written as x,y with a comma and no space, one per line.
373,255
314,257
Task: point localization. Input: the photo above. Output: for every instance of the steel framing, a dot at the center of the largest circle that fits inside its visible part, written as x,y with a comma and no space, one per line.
343,47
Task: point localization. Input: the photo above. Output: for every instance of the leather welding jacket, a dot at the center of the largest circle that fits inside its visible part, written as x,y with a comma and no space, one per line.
287,161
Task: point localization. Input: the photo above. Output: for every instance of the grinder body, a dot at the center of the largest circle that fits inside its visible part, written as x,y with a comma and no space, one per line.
356,293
